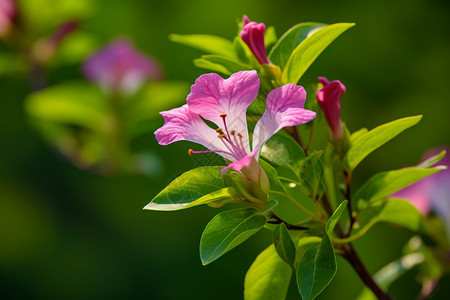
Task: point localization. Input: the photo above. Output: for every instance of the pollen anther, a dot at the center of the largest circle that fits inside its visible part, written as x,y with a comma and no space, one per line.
219,130
190,152
222,115
223,135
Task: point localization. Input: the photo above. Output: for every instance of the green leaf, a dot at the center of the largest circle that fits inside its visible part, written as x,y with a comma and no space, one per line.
312,171
75,48
76,103
357,134
283,151
243,53
284,244
207,43
227,230
268,277
275,184
316,269
334,219
385,184
395,211
400,212
309,49
220,64
280,53
391,272
195,187
270,37
432,160
376,138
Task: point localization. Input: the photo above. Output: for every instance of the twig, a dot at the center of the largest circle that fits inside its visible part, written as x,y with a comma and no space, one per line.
288,226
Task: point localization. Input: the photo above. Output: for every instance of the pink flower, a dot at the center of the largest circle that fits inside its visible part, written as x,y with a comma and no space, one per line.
224,102
8,11
329,98
253,35
119,67
431,194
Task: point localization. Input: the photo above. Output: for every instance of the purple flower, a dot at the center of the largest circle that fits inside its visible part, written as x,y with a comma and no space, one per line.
8,11
253,35
431,194
329,98
120,68
225,102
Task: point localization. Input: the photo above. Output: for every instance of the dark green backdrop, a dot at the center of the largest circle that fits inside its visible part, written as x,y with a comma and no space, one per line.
69,234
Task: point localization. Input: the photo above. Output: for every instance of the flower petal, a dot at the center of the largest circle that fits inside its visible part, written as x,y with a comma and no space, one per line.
284,107
211,96
242,163
183,124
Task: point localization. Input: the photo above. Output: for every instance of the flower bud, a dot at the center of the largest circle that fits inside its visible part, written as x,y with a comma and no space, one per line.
329,98
253,35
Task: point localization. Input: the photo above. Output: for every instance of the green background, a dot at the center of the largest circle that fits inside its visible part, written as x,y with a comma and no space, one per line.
69,234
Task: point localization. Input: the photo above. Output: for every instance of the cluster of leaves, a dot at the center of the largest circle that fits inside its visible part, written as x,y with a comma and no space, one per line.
291,54
94,129
309,194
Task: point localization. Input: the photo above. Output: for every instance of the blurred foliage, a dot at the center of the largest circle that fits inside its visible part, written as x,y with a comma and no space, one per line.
69,234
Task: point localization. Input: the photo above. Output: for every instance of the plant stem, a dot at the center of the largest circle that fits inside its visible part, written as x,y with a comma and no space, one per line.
347,250
348,183
310,140
352,257
288,226
293,132
298,205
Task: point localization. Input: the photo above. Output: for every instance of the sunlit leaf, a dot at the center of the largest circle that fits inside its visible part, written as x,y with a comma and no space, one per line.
268,277
375,138
270,37
207,43
309,49
221,64
385,184
281,51
194,187
357,134
432,160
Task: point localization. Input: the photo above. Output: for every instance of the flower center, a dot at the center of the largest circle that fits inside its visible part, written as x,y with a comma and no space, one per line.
232,141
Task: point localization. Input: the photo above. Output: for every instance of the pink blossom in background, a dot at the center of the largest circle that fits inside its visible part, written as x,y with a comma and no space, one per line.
120,68
7,15
431,194
253,35
224,102
329,98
